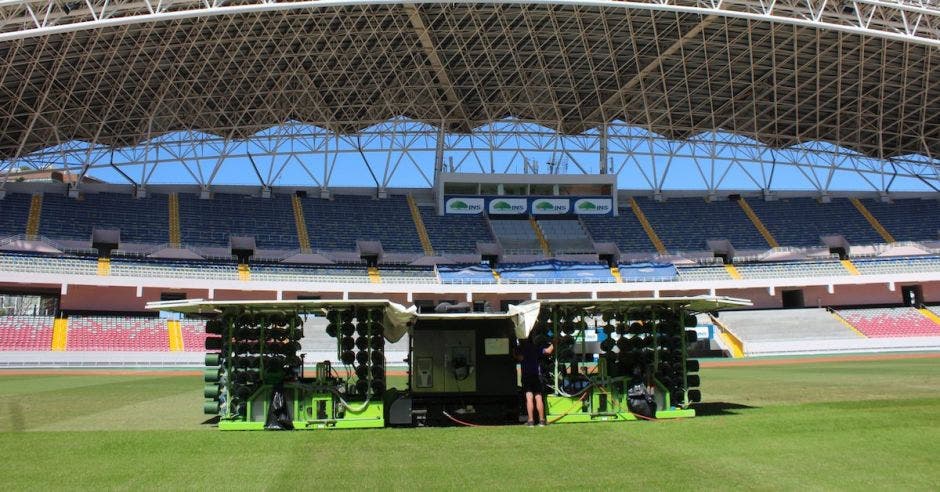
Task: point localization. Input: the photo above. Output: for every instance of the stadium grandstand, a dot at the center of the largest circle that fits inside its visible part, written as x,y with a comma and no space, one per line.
484,152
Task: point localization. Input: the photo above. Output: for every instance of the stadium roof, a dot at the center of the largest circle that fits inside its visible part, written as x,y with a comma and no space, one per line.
860,74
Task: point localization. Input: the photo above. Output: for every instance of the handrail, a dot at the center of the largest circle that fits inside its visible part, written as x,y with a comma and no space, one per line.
737,346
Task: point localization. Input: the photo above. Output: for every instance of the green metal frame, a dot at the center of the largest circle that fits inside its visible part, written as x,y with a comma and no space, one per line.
319,407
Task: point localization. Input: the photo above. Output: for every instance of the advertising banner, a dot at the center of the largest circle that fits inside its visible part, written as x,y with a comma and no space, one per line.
593,206
463,206
550,206
507,206
502,205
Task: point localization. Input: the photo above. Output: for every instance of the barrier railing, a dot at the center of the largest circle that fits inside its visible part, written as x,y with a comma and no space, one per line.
734,343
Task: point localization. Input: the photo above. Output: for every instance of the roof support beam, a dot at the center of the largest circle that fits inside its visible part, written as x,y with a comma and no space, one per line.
427,44
648,69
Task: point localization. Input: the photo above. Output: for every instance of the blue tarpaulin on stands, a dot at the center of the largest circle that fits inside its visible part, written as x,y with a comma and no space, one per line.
476,274
555,271
647,272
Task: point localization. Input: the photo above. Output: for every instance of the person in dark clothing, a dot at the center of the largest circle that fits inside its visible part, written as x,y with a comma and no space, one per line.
528,353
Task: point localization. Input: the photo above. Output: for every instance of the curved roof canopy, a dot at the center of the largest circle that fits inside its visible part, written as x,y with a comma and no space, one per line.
862,74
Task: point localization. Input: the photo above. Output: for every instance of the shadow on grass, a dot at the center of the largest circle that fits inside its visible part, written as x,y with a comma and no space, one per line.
17,423
212,421
717,408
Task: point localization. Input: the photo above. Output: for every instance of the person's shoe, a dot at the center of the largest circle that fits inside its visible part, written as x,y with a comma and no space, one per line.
530,423
542,424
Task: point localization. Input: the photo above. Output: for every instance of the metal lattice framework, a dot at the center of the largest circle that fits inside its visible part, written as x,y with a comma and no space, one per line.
821,86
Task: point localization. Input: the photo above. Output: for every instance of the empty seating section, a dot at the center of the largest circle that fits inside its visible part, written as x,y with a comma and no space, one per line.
566,236
319,346
13,262
455,233
789,269
211,222
14,212
703,273
788,324
164,268
624,230
891,322
407,275
194,335
887,266
341,273
117,334
516,236
336,225
309,273
801,221
25,333
908,219
141,220
684,224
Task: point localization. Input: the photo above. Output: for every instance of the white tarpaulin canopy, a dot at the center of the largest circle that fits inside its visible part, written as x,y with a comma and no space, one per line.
398,319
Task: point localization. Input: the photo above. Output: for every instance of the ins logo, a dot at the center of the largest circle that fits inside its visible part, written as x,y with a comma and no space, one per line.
456,205
504,207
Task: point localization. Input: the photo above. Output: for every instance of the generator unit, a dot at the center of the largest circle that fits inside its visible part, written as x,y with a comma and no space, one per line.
612,359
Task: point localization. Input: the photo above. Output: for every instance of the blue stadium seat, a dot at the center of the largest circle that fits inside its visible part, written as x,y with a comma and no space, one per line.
336,225
684,224
624,230
143,220
455,233
14,212
801,221
212,222
908,219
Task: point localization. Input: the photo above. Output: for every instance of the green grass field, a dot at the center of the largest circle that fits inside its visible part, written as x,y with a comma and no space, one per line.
846,425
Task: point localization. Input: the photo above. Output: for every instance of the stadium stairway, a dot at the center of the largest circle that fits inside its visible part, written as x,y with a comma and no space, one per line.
35,216
300,223
173,210
758,224
175,334
727,339
543,242
60,334
419,225
647,227
104,267
930,315
875,224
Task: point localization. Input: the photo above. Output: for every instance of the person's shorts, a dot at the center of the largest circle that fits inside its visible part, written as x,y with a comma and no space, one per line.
531,384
